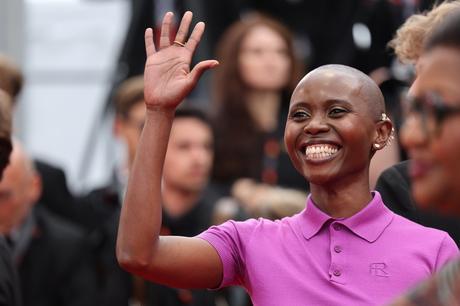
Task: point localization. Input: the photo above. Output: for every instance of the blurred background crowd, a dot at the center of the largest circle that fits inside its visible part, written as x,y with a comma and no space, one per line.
71,71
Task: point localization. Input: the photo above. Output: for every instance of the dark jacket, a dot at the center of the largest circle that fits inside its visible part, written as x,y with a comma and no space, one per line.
395,187
9,283
55,267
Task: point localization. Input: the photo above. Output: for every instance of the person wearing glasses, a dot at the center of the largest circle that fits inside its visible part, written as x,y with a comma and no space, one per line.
394,184
431,134
345,248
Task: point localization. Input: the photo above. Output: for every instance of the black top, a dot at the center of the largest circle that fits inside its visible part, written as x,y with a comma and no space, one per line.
190,224
395,187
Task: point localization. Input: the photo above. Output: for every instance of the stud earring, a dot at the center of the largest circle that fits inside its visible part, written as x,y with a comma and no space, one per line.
377,146
384,117
392,136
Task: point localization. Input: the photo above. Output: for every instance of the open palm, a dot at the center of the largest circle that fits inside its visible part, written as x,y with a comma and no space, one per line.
167,77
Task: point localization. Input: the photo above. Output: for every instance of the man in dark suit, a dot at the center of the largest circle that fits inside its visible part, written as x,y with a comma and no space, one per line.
9,285
51,254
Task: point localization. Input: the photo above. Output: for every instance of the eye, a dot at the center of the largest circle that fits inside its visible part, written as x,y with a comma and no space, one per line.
337,112
299,114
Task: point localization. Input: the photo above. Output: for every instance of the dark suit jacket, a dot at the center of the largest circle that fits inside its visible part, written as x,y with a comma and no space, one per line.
97,213
395,187
115,285
9,283
55,269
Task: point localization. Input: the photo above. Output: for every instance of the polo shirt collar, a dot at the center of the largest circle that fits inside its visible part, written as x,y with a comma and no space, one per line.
369,223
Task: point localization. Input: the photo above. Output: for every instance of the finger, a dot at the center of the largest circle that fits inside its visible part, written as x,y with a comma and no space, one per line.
201,67
165,30
195,37
184,27
149,44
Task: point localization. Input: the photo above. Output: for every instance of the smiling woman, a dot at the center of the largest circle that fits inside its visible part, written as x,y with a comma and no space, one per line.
431,135
344,248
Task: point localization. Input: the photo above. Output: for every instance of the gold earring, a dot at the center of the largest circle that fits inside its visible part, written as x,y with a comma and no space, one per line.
384,117
392,136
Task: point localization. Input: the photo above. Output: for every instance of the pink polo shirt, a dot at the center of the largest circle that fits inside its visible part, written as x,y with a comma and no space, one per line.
313,259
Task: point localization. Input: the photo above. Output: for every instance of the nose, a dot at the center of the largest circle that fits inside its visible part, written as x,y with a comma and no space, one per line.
412,134
201,155
414,88
316,125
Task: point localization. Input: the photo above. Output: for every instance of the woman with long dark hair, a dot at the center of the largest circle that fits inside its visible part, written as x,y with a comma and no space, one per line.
258,71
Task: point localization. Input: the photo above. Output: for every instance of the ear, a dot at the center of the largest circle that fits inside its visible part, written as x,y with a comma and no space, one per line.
382,134
35,188
118,126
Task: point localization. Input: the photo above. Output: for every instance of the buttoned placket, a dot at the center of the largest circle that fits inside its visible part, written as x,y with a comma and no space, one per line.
337,268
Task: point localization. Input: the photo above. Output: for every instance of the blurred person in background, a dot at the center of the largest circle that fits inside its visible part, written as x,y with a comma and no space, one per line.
5,130
394,183
431,134
96,212
251,97
336,123
9,282
84,211
51,254
55,194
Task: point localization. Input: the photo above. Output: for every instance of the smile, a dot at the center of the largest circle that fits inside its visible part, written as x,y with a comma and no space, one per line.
320,152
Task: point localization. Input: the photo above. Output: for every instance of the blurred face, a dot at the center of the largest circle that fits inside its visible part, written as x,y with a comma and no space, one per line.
19,189
129,129
189,156
264,62
431,133
329,131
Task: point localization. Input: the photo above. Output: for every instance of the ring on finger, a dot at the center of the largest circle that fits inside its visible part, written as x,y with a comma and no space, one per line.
179,43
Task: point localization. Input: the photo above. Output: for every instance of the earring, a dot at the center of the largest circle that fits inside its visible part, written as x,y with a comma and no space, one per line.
392,136
384,117
377,146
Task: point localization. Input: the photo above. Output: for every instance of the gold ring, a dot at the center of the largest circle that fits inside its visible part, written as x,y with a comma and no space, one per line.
179,43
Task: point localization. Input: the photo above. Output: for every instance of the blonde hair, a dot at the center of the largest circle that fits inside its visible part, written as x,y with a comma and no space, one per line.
128,94
410,37
11,78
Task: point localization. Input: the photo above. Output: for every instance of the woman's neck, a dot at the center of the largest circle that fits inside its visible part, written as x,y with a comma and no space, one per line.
342,199
264,107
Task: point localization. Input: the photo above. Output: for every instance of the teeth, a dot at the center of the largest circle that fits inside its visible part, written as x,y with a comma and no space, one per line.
320,151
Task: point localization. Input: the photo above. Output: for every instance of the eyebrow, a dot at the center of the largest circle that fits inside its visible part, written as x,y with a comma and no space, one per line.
328,102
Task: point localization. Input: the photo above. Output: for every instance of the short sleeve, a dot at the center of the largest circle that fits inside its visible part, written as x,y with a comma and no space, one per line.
229,239
448,250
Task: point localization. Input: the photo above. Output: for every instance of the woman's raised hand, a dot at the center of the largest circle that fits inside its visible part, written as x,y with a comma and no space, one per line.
167,76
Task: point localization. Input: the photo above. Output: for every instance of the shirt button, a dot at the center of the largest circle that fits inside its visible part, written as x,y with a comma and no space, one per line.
337,226
337,273
338,249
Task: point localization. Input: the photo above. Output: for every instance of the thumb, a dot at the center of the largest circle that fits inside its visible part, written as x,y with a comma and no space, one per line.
201,67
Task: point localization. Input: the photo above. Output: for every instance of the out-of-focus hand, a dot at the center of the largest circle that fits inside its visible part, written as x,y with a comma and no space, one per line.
167,76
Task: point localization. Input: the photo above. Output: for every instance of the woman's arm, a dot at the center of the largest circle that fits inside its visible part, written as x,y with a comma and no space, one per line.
174,261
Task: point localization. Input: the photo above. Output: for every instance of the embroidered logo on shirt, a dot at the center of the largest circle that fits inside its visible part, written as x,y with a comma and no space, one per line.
378,269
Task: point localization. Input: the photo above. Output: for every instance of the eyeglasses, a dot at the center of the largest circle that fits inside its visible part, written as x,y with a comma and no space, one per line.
431,109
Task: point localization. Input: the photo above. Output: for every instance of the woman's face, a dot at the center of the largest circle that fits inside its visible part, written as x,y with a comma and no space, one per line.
264,62
434,144
330,131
